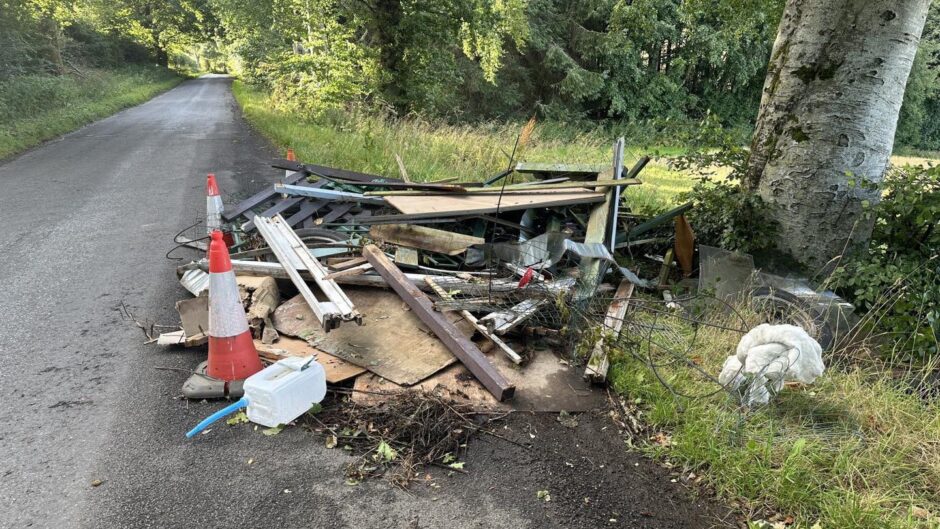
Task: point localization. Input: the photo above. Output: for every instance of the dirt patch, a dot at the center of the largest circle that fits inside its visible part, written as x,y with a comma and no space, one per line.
563,470
591,478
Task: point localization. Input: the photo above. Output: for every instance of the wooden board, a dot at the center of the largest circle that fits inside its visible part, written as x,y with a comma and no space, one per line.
337,370
420,206
599,363
596,232
391,342
424,238
545,384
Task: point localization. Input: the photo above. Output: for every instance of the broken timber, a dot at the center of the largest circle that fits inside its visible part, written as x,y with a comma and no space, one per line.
599,363
504,321
497,341
465,350
294,256
423,238
596,232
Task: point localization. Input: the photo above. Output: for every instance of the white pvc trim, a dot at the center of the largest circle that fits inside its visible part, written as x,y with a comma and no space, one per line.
226,314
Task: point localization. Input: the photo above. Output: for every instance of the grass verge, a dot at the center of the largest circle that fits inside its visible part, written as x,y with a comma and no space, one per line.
860,448
36,108
366,142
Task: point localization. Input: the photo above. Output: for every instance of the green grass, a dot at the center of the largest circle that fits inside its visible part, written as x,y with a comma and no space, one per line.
35,108
366,142
856,449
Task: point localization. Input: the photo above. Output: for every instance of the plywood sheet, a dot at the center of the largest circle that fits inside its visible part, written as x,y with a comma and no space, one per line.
392,342
436,206
337,369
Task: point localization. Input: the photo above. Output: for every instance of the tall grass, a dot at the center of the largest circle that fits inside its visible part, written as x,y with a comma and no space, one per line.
368,142
35,108
860,448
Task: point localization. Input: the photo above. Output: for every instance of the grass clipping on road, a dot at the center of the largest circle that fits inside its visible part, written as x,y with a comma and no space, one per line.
36,108
430,151
859,448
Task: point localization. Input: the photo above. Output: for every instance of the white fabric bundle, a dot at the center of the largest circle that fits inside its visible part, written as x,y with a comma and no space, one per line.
767,357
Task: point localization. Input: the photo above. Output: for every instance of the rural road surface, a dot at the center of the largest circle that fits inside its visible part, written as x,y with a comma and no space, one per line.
85,223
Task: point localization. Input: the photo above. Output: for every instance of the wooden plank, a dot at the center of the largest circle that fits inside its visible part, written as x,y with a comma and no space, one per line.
345,263
307,210
599,363
354,271
337,370
465,350
531,188
419,207
258,198
281,205
596,232
423,238
337,211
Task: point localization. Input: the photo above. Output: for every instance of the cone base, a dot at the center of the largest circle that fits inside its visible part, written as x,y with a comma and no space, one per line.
233,358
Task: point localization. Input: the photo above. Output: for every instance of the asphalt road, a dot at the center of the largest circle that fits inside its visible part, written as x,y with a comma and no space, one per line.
85,223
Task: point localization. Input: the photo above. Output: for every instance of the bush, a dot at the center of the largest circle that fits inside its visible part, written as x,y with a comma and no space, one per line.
727,216
724,214
897,280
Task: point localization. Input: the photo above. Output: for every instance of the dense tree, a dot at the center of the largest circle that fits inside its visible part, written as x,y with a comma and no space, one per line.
919,123
828,116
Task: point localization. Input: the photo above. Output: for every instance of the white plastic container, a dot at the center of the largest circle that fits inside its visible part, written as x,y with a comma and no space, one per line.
283,391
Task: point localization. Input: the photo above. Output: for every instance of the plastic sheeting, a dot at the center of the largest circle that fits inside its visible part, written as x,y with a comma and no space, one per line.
769,356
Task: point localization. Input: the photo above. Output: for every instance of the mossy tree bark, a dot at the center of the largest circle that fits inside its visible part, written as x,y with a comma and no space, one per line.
828,115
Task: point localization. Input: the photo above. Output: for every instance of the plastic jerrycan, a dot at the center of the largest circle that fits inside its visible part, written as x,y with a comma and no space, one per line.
283,391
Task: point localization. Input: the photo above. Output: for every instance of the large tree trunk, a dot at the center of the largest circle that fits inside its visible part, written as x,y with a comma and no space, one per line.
827,118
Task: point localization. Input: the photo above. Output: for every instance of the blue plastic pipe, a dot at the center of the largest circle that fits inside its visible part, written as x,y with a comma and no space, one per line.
228,410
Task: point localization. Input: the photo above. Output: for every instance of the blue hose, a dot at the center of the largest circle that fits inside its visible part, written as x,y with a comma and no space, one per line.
228,410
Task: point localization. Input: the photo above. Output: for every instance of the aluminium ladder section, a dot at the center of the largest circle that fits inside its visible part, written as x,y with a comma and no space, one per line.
295,257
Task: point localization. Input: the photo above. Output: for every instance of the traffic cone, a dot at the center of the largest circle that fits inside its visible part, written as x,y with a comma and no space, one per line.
214,206
232,354
291,157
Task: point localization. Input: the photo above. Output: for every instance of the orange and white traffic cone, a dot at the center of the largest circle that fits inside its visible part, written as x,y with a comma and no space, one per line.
214,206
232,354
292,158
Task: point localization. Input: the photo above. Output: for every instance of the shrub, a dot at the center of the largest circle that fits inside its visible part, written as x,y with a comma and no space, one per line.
724,214
896,281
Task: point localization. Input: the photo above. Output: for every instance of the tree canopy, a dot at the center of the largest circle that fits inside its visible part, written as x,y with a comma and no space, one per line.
589,60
